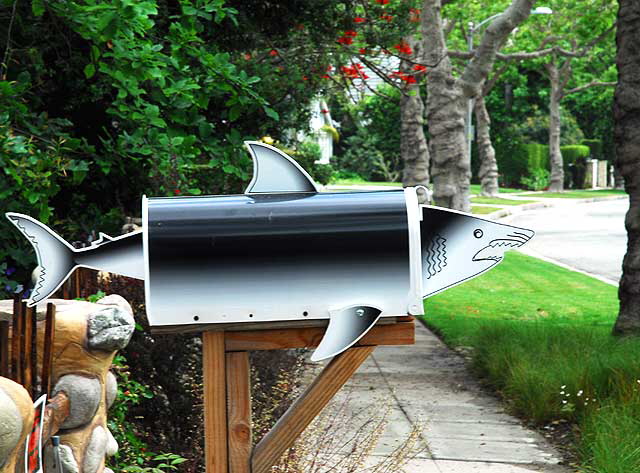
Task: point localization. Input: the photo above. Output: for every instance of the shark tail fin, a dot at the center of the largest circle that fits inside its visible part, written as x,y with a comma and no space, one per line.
55,256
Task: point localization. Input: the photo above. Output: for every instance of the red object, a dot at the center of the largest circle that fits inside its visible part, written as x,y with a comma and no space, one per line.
363,51
419,68
359,19
324,110
273,52
177,192
247,56
351,33
414,15
345,40
403,48
382,2
387,17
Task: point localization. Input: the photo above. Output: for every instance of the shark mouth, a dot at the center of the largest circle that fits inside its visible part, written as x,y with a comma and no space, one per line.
494,251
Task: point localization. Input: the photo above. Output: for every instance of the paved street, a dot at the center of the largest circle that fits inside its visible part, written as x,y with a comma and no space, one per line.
588,236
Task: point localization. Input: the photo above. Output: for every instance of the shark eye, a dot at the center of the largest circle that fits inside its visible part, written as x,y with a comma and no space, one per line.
478,233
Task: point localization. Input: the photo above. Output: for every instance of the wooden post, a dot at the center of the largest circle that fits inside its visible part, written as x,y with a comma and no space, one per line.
215,406
239,412
306,408
47,350
16,333
26,348
5,371
227,391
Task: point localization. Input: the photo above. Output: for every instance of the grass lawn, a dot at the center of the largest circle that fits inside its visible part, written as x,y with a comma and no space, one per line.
499,201
475,189
540,334
580,194
483,210
360,182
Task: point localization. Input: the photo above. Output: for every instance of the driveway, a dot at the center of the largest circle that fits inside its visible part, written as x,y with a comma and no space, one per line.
587,236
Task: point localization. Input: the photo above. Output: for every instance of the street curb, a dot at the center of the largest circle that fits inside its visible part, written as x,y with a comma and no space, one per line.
547,202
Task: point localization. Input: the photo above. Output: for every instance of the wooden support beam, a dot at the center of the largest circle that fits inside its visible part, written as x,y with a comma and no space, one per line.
27,329
5,370
215,405
16,333
402,333
47,350
306,408
33,335
239,412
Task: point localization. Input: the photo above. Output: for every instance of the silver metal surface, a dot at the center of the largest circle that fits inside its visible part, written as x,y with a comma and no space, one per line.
346,327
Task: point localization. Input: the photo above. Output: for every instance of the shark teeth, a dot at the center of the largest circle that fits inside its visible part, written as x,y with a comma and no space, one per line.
500,245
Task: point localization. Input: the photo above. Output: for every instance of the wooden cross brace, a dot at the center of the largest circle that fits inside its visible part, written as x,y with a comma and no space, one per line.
227,390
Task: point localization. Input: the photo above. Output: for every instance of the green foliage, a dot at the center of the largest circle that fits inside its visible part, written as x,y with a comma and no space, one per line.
132,453
572,153
541,335
537,180
523,161
370,144
595,148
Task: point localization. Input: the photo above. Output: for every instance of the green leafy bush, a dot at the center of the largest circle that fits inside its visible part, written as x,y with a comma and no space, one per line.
370,136
524,161
595,147
571,153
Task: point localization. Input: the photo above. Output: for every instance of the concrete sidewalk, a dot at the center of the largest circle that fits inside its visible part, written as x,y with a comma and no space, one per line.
465,429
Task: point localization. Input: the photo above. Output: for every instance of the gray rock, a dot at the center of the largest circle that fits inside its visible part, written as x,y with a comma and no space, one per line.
111,388
110,329
107,470
10,426
116,299
112,444
95,451
84,397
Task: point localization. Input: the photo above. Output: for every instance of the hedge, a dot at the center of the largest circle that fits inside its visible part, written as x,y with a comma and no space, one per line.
521,160
596,148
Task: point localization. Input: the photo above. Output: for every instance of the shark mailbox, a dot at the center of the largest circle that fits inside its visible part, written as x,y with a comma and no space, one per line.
283,251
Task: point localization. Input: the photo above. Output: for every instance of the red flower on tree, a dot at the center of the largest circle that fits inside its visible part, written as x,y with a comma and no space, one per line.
363,51
386,17
403,48
346,40
414,15
177,191
351,33
359,19
419,68
382,2
273,52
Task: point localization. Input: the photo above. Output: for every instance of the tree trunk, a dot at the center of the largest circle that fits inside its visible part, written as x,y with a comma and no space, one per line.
447,96
413,143
451,171
556,181
488,172
627,142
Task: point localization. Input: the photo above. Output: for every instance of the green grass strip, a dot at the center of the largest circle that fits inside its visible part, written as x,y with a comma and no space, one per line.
499,201
541,335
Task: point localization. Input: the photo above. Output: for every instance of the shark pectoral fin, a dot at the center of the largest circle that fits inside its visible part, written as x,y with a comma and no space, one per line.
346,327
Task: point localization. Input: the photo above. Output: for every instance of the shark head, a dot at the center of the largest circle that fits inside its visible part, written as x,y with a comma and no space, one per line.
458,246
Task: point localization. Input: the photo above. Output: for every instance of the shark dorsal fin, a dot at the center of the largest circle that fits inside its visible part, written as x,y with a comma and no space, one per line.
275,172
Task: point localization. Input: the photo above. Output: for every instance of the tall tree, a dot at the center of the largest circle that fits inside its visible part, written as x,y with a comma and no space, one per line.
447,96
413,143
627,141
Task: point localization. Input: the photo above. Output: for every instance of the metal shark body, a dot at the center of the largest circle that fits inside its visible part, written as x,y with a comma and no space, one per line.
285,251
